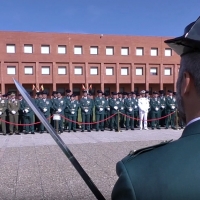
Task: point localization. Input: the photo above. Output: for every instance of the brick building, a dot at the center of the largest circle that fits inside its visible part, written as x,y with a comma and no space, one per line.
109,62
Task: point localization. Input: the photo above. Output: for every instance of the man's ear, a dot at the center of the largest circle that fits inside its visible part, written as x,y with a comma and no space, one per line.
186,83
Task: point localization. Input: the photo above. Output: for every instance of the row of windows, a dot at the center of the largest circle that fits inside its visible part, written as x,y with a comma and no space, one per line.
45,70
62,49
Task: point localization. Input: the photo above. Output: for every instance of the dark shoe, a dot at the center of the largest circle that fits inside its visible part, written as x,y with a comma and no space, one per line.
4,133
17,133
88,130
102,129
132,129
41,132
82,131
166,127
11,133
97,130
152,128
74,130
61,131
116,130
111,129
158,127
126,129
68,131
32,132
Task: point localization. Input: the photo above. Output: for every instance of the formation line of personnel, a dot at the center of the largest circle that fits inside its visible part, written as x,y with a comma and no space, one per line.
103,108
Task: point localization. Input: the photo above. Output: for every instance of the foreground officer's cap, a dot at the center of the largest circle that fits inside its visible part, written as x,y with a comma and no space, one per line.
44,92
189,41
137,94
73,95
114,93
133,92
119,93
161,91
84,91
174,93
54,92
142,92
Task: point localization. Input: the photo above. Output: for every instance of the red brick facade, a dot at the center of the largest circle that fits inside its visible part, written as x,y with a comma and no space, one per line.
116,82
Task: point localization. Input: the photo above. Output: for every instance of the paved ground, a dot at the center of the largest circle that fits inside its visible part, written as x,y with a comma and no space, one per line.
33,166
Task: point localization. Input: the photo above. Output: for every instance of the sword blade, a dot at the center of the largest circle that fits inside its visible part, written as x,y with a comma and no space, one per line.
60,142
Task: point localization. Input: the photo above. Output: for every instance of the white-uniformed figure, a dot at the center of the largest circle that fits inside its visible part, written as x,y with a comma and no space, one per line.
143,104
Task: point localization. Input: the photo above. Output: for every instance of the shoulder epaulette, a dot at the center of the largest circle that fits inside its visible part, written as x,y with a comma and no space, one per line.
135,153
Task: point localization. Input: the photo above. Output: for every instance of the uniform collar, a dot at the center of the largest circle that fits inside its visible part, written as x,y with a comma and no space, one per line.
192,128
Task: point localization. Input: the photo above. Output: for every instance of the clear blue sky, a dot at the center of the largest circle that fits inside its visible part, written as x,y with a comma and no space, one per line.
126,17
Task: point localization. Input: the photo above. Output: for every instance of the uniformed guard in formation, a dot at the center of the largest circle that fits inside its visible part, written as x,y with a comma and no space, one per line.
127,111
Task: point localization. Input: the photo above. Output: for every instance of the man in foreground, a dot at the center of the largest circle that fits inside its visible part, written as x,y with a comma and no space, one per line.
170,170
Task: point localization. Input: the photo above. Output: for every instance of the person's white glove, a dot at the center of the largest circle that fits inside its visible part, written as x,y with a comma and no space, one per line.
101,109
115,107
162,106
86,110
135,106
130,109
156,109
173,107
108,108
13,112
59,110
0,113
26,110
122,108
45,109
72,112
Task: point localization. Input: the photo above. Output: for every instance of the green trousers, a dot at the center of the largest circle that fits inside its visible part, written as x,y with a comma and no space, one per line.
85,119
3,124
170,119
155,115
129,121
100,125
114,122
72,125
29,120
13,119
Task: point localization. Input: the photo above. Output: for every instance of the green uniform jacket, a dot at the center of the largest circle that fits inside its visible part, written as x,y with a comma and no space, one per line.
168,172
67,100
26,109
122,107
3,107
107,106
170,104
45,105
85,105
59,104
155,105
162,103
13,106
73,108
129,106
115,105
100,104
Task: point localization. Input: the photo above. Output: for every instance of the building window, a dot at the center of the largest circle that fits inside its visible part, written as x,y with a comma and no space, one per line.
94,70
139,71
78,70
45,70
10,48
124,51
62,49
109,71
154,71
154,51
78,50
45,49
28,48
94,50
109,51
139,51
168,52
11,70
124,71
62,70
28,70
167,72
